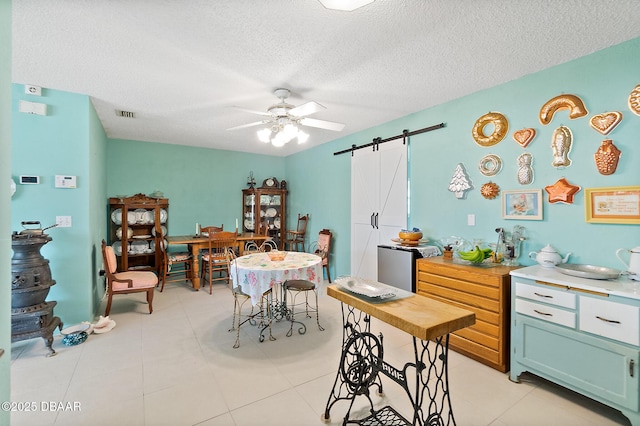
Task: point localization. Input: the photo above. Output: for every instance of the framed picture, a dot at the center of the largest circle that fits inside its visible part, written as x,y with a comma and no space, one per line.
616,204
523,204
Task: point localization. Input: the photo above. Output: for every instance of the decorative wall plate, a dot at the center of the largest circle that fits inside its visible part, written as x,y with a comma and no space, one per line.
634,100
561,146
571,102
562,191
490,165
500,129
605,122
524,136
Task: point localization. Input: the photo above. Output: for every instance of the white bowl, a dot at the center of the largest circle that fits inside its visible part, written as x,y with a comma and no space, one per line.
79,328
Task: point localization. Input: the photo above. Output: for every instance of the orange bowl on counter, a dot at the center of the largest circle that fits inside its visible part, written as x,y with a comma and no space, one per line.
410,235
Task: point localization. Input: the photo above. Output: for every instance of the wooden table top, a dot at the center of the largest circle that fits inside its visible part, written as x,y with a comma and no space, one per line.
417,315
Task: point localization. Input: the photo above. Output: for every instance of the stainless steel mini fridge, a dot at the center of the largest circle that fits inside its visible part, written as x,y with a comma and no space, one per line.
397,266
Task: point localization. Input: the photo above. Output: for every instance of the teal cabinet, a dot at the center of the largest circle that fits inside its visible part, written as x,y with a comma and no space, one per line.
583,339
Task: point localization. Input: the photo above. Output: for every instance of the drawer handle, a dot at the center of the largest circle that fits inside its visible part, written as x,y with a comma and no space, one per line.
631,363
608,320
543,295
542,313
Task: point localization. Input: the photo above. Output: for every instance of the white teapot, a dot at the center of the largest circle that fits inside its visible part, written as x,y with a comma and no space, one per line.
633,266
548,257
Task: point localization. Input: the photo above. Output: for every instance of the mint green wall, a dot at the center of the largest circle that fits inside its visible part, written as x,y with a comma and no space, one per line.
603,80
5,211
97,195
203,185
60,143
319,184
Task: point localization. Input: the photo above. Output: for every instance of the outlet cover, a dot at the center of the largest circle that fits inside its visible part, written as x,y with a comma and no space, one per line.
63,221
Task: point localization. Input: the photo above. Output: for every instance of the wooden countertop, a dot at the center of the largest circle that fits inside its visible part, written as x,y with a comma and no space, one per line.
488,269
417,315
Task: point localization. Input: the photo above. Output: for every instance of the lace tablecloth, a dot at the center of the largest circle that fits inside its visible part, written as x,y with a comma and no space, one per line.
255,273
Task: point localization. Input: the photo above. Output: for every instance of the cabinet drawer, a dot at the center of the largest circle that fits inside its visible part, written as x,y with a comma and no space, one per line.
610,319
459,272
482,315
467,295
546,313
546,295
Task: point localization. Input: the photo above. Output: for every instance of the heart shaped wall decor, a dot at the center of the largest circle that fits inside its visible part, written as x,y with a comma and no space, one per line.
524,136
605,122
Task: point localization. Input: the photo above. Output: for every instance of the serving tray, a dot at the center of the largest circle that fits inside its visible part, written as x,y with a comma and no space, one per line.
409,243
588,271
365,288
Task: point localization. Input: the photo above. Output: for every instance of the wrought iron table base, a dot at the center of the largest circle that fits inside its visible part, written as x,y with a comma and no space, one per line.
282,312
361,364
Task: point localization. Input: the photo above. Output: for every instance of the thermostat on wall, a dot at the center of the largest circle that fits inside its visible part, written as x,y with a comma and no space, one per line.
63,181
29,180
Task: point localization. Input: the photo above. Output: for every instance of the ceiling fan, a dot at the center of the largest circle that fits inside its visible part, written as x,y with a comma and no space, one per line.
284,119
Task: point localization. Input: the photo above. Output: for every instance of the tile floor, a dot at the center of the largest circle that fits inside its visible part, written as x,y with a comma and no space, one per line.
177,367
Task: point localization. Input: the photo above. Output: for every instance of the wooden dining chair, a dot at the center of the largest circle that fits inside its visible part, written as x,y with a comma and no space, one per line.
205,230
295,239
215,258
322,248
176,265
126,282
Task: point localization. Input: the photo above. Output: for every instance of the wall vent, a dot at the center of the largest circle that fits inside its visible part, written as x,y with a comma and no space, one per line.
125,114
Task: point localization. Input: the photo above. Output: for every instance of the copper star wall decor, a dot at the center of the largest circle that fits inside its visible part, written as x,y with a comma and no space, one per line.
562,191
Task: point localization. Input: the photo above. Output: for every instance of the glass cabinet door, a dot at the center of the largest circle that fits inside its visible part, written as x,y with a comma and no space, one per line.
249,211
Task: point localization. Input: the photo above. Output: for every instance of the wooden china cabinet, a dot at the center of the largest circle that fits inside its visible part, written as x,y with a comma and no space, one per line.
132,231
265,209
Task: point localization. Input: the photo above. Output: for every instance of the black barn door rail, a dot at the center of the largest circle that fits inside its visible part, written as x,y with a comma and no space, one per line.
377,141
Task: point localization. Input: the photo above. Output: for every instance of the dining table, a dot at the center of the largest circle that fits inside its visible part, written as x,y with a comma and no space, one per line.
196,243
256,273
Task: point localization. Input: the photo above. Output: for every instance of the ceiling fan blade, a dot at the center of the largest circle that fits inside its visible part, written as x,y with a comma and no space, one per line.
255,123
322,124
306,109
251,111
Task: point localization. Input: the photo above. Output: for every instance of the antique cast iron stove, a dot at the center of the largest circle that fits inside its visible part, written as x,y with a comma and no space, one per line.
31,281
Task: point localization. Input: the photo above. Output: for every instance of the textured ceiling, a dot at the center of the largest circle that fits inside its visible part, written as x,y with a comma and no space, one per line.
182,66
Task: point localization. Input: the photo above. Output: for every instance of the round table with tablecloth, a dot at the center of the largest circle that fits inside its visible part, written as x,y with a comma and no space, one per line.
255,273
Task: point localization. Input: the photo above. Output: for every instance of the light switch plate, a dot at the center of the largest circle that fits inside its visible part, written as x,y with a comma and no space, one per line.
471,220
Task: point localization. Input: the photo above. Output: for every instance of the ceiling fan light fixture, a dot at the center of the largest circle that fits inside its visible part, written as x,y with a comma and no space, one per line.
345,5
264,135
279,140
290,130
302,137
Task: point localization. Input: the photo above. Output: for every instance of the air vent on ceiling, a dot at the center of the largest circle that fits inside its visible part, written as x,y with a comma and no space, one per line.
125,114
